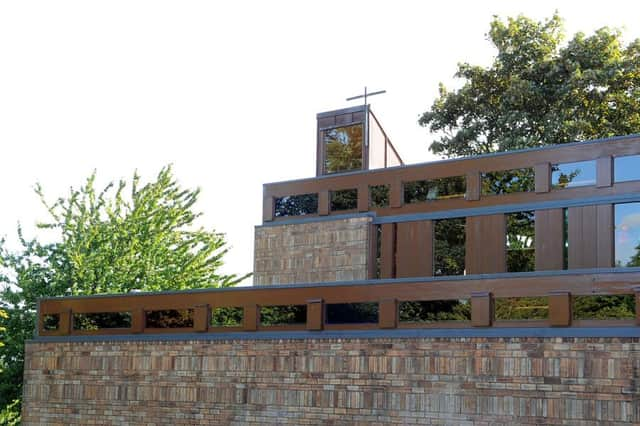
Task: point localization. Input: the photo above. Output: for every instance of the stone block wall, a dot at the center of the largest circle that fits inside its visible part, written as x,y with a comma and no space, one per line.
334,381
323,251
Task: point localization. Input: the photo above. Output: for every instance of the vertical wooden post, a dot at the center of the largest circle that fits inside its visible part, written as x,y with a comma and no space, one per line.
324,203
363,198
474,184
251,317
315,314
395,193
543,177
388,313
604,172
268,206
372,266
137,320
201,318
637,292
560,308
66,322
481,309
387,250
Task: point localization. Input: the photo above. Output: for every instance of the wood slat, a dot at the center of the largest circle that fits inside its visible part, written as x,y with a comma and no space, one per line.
414,256
549,239
605,236
604,171
388,313
387,250
542,177
315,314
590,236
481,309
559,308
485,244
474,183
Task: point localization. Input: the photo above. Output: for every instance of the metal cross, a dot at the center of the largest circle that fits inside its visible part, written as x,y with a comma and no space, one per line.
366,94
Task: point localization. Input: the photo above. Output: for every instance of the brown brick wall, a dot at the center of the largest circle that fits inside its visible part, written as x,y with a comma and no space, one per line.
453,381
325,251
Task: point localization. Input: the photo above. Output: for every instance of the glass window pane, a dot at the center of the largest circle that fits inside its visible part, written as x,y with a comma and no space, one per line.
345,199
521,254
379,196
507,181
343,148
283,315
571,175
434,189
448,244
626,168
627,234
296,205
435,310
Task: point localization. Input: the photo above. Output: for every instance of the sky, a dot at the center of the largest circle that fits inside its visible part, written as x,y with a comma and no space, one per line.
225,91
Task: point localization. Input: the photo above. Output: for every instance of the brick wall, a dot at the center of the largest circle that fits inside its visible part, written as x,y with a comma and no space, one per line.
335,381
334,250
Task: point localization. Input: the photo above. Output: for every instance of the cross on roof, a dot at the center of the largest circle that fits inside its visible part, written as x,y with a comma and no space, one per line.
366,94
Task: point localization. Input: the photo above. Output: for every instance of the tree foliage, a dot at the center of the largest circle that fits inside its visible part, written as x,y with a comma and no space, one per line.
539,91
117,239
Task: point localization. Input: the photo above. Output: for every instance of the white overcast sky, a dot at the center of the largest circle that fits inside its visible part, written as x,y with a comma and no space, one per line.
226,91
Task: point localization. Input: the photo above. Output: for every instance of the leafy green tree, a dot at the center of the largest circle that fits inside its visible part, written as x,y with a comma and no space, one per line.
539,91
109,241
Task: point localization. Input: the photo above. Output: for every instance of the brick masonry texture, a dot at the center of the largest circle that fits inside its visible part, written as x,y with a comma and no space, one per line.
455,381
324,251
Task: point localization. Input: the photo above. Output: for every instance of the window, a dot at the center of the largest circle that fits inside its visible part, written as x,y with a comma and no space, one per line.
296,205
343,148
521,308
448,247
227,316
434,310
283,315
507,181
626,168
344,199
603,307
571,175
627,234
352,313
169,318
96,321
379,196
521,255
434,189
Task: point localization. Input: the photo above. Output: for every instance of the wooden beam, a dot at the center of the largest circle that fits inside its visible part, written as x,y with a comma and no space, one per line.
315,314
251,316
604,171
542,177
201,318
559,308
481,309
324,203
474,185
388,313
387,250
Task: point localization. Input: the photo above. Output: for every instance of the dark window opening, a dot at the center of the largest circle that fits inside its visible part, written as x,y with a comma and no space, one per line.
352,313
296,205
344,199
51,322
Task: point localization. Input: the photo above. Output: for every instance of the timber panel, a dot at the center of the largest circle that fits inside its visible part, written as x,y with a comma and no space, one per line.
414,257
591,236
485,244
549,239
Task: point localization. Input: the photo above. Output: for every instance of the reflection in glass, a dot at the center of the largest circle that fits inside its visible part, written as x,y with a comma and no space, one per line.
344,199
448,246
343,148
379,196
521,308
435,310
434,189
571,175
626,168
283,314
227,316
507,181
96,321
521,253
627,234
296,205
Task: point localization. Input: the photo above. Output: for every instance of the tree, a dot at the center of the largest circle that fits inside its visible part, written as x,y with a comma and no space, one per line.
108,242
538,91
